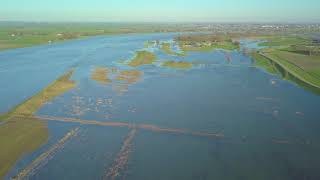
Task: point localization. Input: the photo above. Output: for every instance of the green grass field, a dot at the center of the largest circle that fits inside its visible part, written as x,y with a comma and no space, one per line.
307,63
295,57
284,41
21,132
287,61
261,61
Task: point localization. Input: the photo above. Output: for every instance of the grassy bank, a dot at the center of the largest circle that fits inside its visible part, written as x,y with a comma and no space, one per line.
177,65
297,71
142,58
263,62
21,133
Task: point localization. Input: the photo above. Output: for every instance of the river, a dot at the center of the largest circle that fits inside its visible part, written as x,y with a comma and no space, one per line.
268,128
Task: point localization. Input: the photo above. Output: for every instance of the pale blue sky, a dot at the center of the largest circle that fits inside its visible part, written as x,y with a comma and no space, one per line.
162,10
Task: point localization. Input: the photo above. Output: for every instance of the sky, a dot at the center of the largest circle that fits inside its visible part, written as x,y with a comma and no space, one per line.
161,10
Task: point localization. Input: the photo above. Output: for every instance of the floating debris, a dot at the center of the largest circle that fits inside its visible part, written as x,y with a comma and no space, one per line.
299,113
277,141
273,82
265,99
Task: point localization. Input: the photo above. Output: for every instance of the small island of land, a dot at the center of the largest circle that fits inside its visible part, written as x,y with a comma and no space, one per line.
177,65
142,58
130,76
100,74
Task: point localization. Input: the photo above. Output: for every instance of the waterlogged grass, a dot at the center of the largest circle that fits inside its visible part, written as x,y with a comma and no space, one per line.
100,74
177,65
142,58
21,132
166,48
130,76
150,44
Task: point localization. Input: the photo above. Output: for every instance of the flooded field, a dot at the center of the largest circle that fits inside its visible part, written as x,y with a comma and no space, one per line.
139,108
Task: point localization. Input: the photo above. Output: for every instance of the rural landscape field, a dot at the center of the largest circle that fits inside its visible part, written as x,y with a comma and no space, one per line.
159,90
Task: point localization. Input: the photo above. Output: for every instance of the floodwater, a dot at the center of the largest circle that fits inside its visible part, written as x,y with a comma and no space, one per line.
264,127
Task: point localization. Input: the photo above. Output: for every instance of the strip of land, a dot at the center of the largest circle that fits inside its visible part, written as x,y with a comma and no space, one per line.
157,129
22,132
122,159
130,125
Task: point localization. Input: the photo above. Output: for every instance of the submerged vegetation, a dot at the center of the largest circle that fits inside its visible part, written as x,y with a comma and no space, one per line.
130,76
150,44
123,156
100,74
21,132
166,48
142,58
178,65
44,157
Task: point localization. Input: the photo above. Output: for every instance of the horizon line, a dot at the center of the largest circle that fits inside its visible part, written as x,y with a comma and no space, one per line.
166,22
